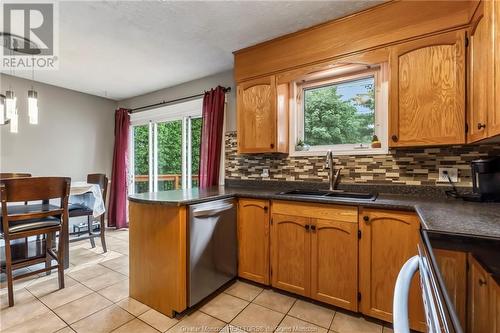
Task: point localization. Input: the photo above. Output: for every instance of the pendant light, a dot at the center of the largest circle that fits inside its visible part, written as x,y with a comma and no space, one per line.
3,116
10,103
33,106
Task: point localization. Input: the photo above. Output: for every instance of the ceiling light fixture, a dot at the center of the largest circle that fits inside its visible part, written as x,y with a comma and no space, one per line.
8,102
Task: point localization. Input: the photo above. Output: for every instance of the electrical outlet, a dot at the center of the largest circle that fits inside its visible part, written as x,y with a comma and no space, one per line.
265,173
452,172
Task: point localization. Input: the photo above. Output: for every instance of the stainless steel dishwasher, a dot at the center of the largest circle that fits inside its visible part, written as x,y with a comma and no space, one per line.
212,247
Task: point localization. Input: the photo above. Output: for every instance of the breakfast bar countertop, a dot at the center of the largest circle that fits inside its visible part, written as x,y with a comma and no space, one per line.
442,215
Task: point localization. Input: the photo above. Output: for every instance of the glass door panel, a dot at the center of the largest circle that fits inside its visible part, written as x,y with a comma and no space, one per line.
142,159
168,169
195,149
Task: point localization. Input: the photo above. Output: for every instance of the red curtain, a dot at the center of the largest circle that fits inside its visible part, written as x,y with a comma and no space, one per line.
117,215
211,137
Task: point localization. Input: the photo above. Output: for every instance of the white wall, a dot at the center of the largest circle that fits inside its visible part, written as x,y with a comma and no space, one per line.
74,136
225,79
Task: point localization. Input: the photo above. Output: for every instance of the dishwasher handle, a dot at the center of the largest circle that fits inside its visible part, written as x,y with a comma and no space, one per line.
401,293
212,211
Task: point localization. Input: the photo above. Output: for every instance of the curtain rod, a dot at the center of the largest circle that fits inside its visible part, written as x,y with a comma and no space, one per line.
147,107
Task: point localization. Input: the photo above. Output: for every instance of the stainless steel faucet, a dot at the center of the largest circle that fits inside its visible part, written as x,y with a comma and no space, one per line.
333,175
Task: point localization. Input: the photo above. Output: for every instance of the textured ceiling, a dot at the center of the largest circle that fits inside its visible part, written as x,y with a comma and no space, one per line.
127,48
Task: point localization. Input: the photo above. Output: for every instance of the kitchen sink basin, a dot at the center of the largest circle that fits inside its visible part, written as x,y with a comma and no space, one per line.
339,194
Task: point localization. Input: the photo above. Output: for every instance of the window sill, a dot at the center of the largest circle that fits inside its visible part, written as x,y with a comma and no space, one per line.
349,152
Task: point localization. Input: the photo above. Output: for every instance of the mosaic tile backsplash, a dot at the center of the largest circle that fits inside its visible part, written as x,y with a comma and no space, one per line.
401,166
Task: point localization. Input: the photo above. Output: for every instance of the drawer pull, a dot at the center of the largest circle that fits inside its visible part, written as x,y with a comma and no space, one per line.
482,282
480,126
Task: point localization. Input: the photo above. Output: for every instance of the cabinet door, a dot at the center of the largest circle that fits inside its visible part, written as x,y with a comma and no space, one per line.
334,266
480,75
256,105
453,269
494,118
388,240
427,94
479,301
494,305
253,240
290,253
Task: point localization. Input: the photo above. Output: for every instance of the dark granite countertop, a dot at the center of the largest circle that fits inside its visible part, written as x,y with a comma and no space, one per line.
443,215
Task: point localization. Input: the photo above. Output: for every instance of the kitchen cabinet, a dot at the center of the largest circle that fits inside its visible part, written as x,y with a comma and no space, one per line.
479,320
313,245
253,240
427,91
262,116
388,240
453,268
483,114
494,305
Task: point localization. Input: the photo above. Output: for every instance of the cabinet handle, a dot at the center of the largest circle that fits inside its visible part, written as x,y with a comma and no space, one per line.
482,282
266,208
366,218
313,228
480,126
272,145
394,138
307,227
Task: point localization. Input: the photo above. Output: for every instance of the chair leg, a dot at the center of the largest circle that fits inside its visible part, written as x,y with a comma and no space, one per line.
48,246
89,224
60,260
8,271
103,240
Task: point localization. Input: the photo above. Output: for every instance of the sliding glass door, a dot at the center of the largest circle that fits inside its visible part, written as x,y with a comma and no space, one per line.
165,149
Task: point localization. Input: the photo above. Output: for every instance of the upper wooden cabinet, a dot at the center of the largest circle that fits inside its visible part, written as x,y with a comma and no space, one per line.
262,116
483,116
388,240
314,251
427,91
253,240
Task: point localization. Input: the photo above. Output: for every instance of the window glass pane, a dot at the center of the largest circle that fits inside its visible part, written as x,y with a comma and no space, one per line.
341,113
169,143
141,158
195,149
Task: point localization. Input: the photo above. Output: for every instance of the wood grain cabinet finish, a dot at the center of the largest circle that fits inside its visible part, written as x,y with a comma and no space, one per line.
453,269
291,253
479,319
427,94
494,305
314,250
253,240
334,269
262,116
388,240
483,114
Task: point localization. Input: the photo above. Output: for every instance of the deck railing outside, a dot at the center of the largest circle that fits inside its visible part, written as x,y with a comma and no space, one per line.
165,182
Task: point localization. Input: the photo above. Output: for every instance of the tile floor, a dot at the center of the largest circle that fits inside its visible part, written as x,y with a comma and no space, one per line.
96,300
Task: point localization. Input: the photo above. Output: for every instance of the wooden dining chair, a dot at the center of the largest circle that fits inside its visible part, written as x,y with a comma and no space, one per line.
22,221
76,210
8,175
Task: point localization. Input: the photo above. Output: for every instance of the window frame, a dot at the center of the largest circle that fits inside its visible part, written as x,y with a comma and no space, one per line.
381,113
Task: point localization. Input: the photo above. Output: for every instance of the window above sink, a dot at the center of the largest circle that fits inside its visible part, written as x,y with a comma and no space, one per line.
340,109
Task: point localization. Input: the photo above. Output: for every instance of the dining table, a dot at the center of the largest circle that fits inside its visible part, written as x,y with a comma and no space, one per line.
82,193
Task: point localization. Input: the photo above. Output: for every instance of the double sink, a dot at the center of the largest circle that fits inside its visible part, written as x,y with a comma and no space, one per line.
338,194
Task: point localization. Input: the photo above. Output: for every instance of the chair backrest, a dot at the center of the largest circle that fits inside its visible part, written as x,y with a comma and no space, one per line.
101,180
34,189
8,175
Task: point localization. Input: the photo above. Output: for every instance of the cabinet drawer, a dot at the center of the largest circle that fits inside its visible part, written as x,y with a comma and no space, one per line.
319,211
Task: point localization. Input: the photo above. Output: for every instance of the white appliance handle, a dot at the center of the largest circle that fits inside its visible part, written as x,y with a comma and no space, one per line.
401,293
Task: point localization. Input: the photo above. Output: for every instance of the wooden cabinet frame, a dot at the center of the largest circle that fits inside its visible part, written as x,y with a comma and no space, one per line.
418,99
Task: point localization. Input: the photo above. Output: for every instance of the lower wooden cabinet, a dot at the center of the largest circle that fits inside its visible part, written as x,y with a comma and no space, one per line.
388,239
253,240
494,305
453,269
314,251
479,315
